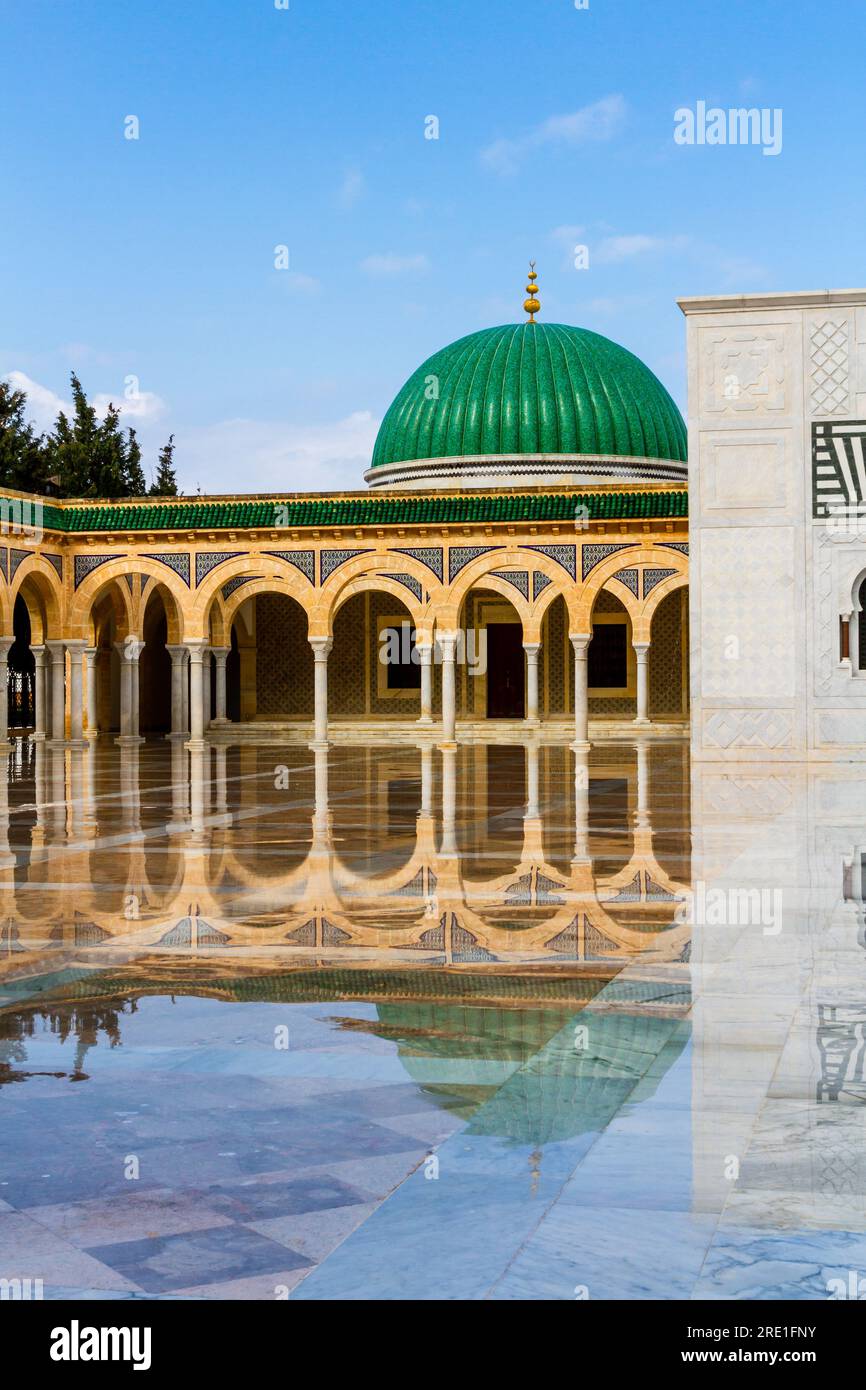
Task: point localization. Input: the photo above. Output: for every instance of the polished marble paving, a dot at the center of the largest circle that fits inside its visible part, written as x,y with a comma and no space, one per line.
509,1022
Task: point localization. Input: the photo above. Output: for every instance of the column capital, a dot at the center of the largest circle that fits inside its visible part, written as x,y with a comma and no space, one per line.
130,648
641,648
447,641
532,649
75,644
177,651
56,648
321,647
221,653
580,641
5,644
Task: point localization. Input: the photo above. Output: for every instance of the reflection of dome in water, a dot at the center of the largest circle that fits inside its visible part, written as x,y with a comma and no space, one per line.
518,1075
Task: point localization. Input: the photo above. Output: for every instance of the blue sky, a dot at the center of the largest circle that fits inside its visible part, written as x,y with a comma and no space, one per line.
262,127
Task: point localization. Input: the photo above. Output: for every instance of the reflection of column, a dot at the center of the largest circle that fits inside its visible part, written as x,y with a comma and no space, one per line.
196,699
425,655
178,690
449,802
206,666
321,818
130,792
196,771
642,783
92,728
57,792
532,649
581,804
40,696
426,781
532,780
580,641
641,651
446,642
76,692
321,648
178,825
7,858
57,654
220,787
220,657
5,644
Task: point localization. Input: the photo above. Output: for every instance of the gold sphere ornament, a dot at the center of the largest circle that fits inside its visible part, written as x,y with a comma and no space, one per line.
531,305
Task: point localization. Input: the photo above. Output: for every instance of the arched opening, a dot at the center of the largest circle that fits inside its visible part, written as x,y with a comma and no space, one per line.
22,669
233,679
269,666
555,661
491,676
373,671
108,617
668,657
155,668
612,667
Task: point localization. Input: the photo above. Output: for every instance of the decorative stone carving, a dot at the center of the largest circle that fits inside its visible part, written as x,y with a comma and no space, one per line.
748,728
829,367
742,371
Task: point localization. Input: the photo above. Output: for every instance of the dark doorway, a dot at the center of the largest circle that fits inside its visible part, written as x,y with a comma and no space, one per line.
506,682
22,666
233,681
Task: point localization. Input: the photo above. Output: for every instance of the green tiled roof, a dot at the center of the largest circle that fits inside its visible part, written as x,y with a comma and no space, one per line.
413,510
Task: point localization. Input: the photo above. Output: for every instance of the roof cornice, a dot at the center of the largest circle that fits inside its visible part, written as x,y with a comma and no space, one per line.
798,299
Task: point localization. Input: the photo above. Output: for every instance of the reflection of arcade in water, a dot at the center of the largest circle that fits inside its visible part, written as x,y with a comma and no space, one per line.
477,858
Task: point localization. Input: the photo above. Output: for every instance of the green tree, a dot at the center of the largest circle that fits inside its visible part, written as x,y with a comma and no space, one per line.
165,482
134,480
23,455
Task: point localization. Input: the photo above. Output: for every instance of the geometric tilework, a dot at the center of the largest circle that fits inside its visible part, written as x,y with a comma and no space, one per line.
130,581
4,562
518,578
17,557
57,562
681,546
652,577
629,579
208,560
461,555
539,581
564,555
86,564
838,467
594,554
234,584
408,582
332,559
179,563
431,556
303,560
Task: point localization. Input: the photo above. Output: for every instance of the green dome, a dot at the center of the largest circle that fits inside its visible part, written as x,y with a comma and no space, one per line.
536,389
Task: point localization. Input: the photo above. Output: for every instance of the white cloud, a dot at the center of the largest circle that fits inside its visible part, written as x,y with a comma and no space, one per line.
296,283
622,248
599,121
392,264
44,405
276,456
143,405
351,189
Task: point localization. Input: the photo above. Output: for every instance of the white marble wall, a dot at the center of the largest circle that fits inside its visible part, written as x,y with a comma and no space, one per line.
768,581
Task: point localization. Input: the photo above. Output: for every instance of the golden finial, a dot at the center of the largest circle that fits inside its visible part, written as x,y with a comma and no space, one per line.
531,305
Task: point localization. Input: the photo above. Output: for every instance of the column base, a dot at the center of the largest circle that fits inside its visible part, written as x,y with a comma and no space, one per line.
77,742
641,723
317,746
447,745
425,719
38,737
91,734
195,745
580,745
128,740
220,723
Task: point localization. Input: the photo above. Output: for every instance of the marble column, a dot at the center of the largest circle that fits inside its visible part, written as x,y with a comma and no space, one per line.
40,695
76,692
5,644
641,651
57,653
220,658
532,649
321,649
206,669
92,728
446,643
425,655
178,690
196,700
129,652
580,642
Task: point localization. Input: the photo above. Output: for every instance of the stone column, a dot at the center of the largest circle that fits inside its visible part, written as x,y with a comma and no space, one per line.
178,690
5,644
92,728
129,652
425,655
641,651
220,657
196,700
206,665
76,692
40,695
446,642
321,649
580,642
532,649
57,653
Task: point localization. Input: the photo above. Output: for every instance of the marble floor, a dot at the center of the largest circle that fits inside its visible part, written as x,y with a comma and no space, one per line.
511,1021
